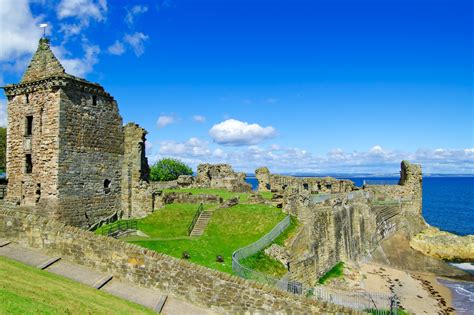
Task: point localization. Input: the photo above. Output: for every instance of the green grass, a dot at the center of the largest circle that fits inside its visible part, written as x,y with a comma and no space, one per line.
385,312
27,290
228,230
335,272
289,232
220,192
265,264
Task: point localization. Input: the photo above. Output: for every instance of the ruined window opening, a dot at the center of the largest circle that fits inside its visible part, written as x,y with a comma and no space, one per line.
268,186
38,193
94,100
27,98
328,186
305,186
284,187
107,184
29,125
28,164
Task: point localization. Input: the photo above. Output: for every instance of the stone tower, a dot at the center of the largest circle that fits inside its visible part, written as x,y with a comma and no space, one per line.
64,144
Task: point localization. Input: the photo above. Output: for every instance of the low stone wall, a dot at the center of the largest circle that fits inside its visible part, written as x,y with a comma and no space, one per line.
202,286
183,197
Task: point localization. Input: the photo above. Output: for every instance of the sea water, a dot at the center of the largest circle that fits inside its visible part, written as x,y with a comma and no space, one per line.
448,203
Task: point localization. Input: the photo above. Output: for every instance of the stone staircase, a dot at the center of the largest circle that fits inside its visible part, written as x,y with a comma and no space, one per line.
201,223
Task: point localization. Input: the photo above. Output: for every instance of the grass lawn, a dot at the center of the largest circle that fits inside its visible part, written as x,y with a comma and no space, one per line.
228,230
221,193
171,221
27,290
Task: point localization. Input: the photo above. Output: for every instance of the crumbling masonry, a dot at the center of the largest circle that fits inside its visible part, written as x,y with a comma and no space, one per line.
68,155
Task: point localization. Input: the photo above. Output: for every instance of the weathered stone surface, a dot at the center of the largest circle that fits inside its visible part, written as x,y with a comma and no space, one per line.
443,245
289,184
66,153
185,181
208,288
184,197
220,176
279,253
230,202
256,199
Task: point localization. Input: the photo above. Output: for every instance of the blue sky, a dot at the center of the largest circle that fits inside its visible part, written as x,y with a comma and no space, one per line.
315,86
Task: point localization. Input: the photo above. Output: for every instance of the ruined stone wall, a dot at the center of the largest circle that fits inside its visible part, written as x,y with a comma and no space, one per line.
216,176
350,225
280,184
137,194
208,288
90,156
38,188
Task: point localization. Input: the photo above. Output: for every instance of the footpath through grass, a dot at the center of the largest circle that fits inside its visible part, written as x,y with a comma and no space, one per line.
228,230
220,192
27,290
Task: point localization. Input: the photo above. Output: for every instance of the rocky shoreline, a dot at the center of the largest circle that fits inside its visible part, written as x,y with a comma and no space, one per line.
444,245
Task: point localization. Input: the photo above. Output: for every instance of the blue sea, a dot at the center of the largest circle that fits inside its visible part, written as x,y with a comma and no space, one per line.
448,202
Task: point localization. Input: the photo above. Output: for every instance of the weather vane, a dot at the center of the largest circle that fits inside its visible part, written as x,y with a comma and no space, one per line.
44,26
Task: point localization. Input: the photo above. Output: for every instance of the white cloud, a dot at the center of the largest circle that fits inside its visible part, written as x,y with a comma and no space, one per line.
78,66
164,121
296,160
3,113
136,41
83,10
236,133
194,147
132,13
199,118
116,48
19,31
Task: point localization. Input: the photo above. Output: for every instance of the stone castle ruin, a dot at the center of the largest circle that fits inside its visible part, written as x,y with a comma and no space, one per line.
68,154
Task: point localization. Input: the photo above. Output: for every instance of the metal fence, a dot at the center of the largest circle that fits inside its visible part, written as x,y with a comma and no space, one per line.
381,182
373,303
252,249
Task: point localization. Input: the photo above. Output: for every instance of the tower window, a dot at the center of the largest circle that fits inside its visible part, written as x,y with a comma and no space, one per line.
29,125
28,164
94,100
27,99
107,184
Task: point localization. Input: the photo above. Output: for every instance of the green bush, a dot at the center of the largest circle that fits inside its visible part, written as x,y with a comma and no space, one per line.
335,272
169,169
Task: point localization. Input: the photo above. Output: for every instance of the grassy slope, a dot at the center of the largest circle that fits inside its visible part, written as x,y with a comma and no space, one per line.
27,290
228,230
221,193
335,272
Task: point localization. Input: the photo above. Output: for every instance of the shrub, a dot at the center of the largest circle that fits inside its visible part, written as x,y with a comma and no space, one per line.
169,169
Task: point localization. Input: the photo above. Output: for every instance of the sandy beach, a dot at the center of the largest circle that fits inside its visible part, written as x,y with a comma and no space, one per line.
418,293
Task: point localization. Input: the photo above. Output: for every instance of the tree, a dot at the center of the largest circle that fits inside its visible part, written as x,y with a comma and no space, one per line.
169,169
3,148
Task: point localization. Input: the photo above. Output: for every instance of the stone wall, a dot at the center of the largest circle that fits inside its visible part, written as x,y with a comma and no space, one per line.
280,184
90,156
348,226
40,186
219,176
138,195
205,287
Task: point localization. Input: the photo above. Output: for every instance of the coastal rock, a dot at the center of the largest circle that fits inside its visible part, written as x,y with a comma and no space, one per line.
443,245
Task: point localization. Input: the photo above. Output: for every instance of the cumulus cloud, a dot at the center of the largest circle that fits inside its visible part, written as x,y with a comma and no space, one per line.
237,133
165,120
3,113
199,118
19,30
82,12
136,42
375,160
134,12
78,66
116,48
